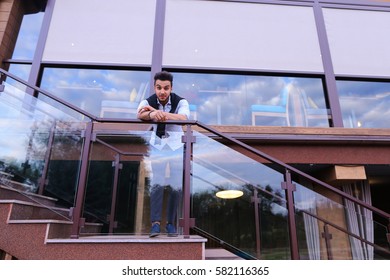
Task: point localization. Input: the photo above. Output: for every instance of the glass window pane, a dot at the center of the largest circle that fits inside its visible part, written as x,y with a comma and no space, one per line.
20,70
119,31
104,93
241,35
365,104
358,42
225,99
28,36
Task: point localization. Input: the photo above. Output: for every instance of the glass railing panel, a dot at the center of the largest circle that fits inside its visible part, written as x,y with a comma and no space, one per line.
22,151
132,198
309,235
306,198
342,246
380,235
316,205
64,163
99,188
330,243
273,223
19,97
320,241
33,132
20,101
24,138
256,222
124,170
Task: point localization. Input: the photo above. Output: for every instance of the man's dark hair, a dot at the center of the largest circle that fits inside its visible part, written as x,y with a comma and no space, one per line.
163,76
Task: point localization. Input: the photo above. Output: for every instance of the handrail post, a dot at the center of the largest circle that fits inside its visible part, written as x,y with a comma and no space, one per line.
188,139
43,180
388,232
2,87
117,165
327,236
256,200
80,194
289,188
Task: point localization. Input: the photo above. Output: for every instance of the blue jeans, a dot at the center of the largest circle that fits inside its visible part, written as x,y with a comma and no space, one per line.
167,169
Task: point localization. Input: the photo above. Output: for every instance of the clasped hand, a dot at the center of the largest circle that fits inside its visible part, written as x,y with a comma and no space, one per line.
159,116
156,115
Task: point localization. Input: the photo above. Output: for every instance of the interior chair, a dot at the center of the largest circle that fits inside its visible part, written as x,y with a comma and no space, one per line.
280,110
312,111
122,106
193,112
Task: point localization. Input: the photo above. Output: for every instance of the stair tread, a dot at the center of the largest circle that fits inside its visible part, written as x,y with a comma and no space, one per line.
29,194
39,221
220,254
129,239
30,203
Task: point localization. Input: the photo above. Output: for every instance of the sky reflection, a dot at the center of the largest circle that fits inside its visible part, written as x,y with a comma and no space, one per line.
28,36
365,104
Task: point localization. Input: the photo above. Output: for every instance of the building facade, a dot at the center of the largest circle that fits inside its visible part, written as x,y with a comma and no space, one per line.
286,98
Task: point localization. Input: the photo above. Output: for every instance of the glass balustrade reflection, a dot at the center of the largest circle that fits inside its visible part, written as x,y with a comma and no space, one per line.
254,223
64,165
124,167
34,132
344,220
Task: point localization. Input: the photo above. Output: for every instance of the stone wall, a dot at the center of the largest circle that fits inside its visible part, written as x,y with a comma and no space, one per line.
11,15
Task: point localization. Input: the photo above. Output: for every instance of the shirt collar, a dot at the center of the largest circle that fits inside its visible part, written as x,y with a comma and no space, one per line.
168,103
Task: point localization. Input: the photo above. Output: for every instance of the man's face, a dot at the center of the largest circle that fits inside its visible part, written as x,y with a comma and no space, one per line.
163,90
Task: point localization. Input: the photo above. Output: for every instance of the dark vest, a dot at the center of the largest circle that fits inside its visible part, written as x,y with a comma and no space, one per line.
152,100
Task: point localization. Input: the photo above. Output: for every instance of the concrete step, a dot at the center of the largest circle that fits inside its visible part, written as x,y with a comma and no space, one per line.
220,254
41,239
58,219
14,194
23,210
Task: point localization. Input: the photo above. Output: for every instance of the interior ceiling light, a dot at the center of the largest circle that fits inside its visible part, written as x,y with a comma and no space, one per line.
229,194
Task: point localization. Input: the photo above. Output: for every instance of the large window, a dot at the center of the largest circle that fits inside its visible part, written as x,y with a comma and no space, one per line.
358,41
216,99
365,104
28,36
241,35
99,31
26,44
226,99
105,93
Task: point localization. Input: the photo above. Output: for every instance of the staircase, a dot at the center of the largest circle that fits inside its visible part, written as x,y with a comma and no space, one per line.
33,228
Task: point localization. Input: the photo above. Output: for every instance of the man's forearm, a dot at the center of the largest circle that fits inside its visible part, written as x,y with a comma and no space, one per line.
144,114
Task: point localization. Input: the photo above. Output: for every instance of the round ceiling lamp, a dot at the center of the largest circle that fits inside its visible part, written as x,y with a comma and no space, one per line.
229,194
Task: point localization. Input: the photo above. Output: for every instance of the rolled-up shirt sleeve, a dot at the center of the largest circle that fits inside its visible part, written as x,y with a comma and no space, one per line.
183,108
